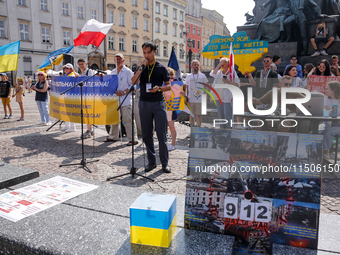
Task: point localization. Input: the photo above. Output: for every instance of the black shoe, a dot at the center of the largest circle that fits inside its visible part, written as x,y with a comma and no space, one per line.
166,169
150,167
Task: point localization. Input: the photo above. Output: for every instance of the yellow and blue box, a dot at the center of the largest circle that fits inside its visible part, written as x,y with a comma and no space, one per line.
153,219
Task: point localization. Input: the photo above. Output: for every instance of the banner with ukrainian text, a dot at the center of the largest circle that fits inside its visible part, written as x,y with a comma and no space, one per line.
100,102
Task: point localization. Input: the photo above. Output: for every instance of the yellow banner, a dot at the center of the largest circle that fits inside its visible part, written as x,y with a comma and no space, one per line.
100,102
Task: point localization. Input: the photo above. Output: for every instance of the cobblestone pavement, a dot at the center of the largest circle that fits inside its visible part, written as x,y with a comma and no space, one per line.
26,144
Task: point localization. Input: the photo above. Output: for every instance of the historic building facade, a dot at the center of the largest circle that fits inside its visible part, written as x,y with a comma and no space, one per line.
44,26
168,30
132,26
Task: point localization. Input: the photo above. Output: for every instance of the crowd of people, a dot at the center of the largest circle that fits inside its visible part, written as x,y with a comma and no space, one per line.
151,114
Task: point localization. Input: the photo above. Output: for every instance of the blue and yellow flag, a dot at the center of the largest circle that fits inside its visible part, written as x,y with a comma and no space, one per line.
9,57
55,58
173,63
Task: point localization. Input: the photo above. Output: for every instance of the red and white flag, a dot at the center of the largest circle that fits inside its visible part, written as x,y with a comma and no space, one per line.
231,64
93,32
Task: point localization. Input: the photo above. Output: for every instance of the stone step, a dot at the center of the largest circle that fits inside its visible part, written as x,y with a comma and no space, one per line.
12,175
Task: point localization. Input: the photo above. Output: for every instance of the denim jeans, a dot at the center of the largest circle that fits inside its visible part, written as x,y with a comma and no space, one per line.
43,110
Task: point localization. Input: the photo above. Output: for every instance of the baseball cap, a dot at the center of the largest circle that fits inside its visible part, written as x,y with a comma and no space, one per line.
3,74
120,55
68,65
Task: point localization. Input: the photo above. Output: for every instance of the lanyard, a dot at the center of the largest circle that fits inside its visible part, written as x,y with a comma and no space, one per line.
151,71
195,80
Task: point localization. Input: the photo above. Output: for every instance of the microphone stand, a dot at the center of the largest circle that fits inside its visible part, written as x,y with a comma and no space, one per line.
83,161
133,170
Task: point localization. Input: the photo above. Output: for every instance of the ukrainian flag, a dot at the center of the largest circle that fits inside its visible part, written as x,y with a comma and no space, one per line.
54,59
9,57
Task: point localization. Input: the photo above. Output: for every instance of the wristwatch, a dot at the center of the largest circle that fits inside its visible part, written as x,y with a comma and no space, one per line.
159,90
124,92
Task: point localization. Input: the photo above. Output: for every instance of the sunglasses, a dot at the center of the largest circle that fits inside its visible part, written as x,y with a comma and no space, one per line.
266,61
40,74
287,84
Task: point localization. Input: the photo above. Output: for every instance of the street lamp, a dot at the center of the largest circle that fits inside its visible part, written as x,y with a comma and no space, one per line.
189,44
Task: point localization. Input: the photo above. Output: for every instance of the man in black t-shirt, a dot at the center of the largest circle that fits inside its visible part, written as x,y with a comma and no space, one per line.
321,35
154,80
5,94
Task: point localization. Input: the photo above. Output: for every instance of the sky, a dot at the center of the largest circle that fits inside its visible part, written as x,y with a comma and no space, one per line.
232,10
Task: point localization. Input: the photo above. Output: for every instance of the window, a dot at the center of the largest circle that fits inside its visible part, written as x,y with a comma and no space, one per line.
65,8
157,27
134,45
193,30
80,12
208,32
204,30
198,44
193,43
2,29
121,44
165,29
175,14
111,42
94,14
24,32
165,10
165,51
22,2
134,2
110,16
174,31
198,31
121,19
181,33
146,4
181,16
188,29
146,25
67,38
134,22
43,5
45,34
158,8
203,61
121,1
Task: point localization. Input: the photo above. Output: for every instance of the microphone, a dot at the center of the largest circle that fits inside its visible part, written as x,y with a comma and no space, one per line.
144,65
100,71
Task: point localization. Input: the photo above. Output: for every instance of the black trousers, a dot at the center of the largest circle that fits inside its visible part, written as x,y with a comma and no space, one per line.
150,112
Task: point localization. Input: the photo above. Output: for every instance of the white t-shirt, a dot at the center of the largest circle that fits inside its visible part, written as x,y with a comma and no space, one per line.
330,102
124,82
226,95
193,81
297,82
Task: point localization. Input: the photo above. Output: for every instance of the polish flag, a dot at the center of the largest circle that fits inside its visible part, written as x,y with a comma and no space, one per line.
231,64
93,32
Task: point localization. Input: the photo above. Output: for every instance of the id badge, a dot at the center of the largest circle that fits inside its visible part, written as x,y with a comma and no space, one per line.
148,86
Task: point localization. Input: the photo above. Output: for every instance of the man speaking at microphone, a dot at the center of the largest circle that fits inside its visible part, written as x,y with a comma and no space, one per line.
152,105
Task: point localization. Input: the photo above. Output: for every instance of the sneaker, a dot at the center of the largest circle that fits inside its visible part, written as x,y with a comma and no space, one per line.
70,130
41,123
171,147
188,136
87,134
323,52
47,123
10,117
21,119
316,53
6,116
